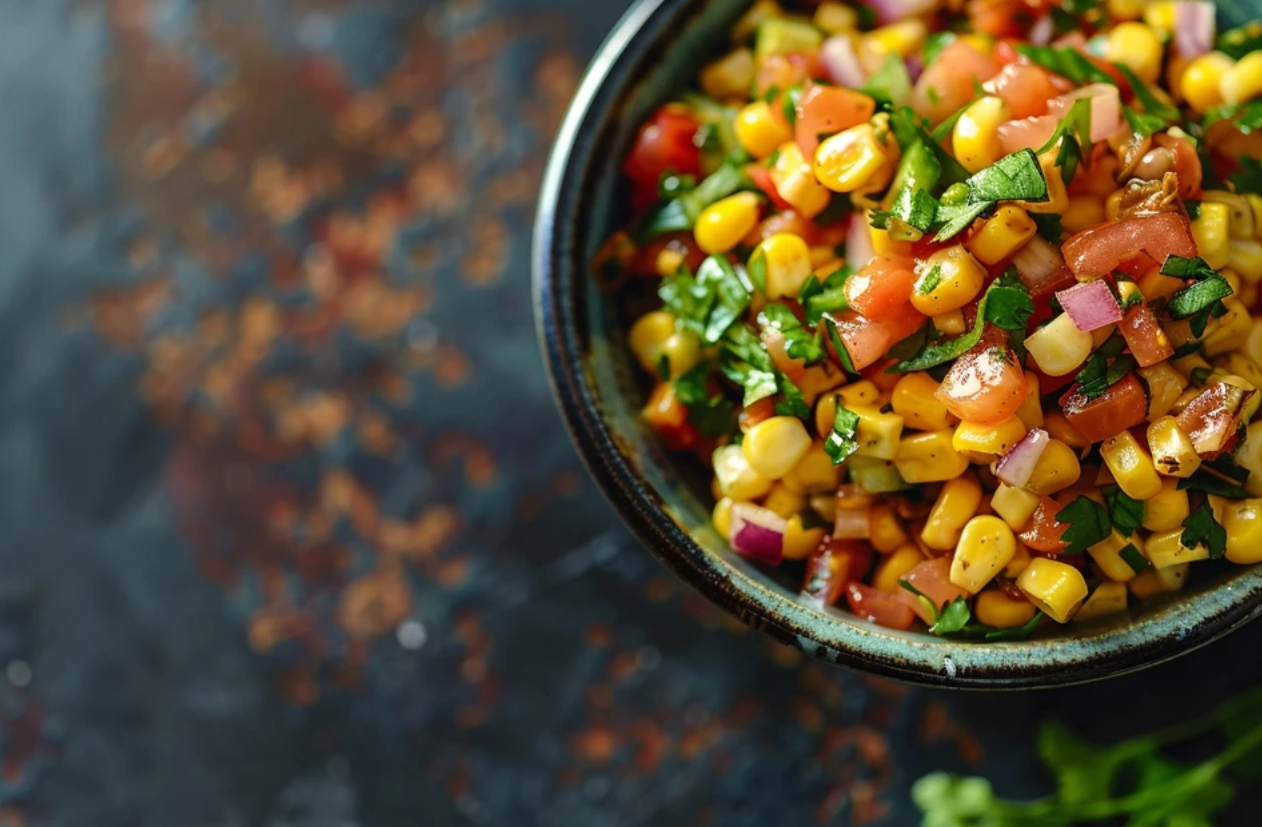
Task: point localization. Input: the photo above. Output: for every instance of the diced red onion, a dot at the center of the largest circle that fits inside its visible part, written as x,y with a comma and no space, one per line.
758,533
1106,108
842,62
1042,32
859,247
915,67
1041,267
1194,29
1017,466
892,11
852,524
1090,305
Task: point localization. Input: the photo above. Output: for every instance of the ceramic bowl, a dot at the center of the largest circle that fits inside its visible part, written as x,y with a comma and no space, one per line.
654,53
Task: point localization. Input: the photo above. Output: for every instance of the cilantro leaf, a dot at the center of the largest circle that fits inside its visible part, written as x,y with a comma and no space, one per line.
1142,123
732,296
1203,295
931,281
799,343
688,300
1072,133
1200,528
841,443
1249,177
957,218
953,617
1126,513
1209,484
891,83
1240,41
830,297
712,415
790,104
932,609
1016,633
1048,226
1187,268
1005,305
1016,177
1088,524
839,345
908,128
662,368
1133,558
1068,63
1154,107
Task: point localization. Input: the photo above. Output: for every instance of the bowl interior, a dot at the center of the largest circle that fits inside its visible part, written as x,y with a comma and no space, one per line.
653,55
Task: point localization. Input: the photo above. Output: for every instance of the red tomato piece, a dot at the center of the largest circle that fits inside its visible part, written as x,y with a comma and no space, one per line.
669,417
985,386
1210,419
1027,133
783,222
877,607
1045,532
868,340
664,144
761,176
932,578
773,340
1026,88
947,83
1101,250
827,110
1144,336
831,566
1187,164
1121,407
883,287
644,263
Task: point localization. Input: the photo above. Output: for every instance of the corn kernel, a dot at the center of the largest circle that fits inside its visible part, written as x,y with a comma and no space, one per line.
799,541
990,441
682,352
1254,402
1159,14
1132,468
914,401
1059,348
1243,82
903,38
1159,581
736,477
1167,510
1137,46
774,446
796,182
949,279
1056,588
724,224
1245,257
788,264
1084,211
1166,549
668,262
949,324
1243,522
956,504
1156,286
929,457
836,18
847,161
1059,428
1211,230
997,609
895,568
1125,9
877,433
729,77
760,12
1107,554
815,473
721,517
1107,599
862,394
647,336
986,546
1031,410
887,532
1240,222
1056,470
1001,236
1229,333
1165,384
818,380
975,139
759,131
1014,505
825,505
784,502
1057,195
1019,562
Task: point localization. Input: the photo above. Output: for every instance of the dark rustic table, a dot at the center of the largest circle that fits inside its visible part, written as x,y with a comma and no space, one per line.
291,534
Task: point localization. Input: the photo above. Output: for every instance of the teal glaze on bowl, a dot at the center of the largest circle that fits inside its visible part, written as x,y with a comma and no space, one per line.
653,53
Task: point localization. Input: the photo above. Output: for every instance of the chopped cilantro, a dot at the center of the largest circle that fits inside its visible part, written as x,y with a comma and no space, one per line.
1131,556
757,269
1099,374
1067,63
1088,524
891,83
1007,304
953,617
1154,107
1187,268
1048,226
712,415
1142,123
1249,177
841,443
829,297
1241,40
1200,375
1017,177
799,343
1222,478
1193,207
908,128
1200,528
1073,133
931,281
839,345
790,105
663,367
1127,514
1198,297
672,185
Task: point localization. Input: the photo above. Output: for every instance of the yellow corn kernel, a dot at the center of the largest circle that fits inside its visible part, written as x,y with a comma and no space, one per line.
1191,364
1056,588
1059,348
1132,468
721,517
1253,344
950,324
975,141
668,262
788,264
1167,510
824,257
903,38
1241,224
1125,9
1156,286
815,473
730,77
956,504
1101,335
799,541
895,567
1001,236
784,502
724,224
736,477
848,160
1059,428
948,280
1255,203
1251,407
836,18
990,440
1243,522
1014,505
647,336
1057,195
996,608
682,352
759,131
1245,257
1243,81
1166,549
887,529
796,182
1212,234
929,457
1107,554
825,505
760,12
877,433
1031,410
1160,15
1229,333
1056,470
818,380
774,446
986,546
862,394
1165,385
1019,562
1137,46
1084,211
914,400
1163,581
1129,292
1107,599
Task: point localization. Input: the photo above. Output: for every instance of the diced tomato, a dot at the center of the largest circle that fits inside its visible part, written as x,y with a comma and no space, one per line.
882,287
868,340
761,176
1122,406
1005,54
669,417
773,340
827,110
1025,87
831,566
1101,250
664,144
878,607
1050,384
1187,164
985,386
644,263
997,18
932,578
788,221
781,72
1044,532
1144,336
947,84
1027,133
1211,418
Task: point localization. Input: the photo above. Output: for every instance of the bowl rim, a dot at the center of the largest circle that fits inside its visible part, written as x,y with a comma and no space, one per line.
922,659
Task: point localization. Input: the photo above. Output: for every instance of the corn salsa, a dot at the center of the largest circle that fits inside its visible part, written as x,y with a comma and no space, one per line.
957,301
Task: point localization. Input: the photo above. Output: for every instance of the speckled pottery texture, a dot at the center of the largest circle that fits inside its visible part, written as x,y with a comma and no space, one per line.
652,53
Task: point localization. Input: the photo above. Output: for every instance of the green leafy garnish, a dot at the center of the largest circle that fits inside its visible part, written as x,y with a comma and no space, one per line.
1068,63
1048,226
799,343
1126,513
1131,556
891,83
1007,304
744,361
709,303
931,281
829,297
1073,133
681,213
1187,268
1017,177
1154,106
1240,41
1222,478
839,345
935,43
712,415
1200,375
953,617
841,443
1203,295
790,105
1142,123
908,128
662,368
1200,528
1088,523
